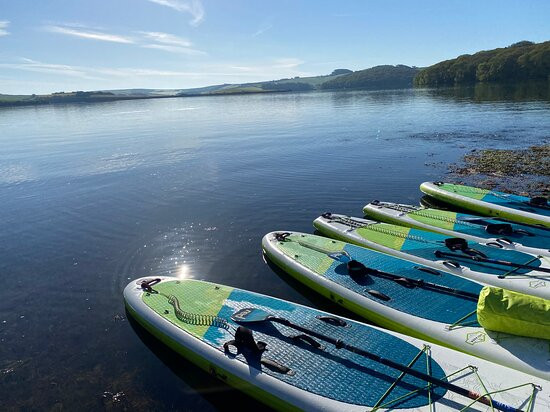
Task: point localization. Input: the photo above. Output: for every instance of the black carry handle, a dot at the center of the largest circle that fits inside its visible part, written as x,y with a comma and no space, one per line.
539,201
499,229
458,243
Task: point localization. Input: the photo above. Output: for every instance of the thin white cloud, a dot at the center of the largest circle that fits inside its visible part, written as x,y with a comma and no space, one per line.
166,38
262,30
175,49
288,63
245,68
275,69
170,43
203,71
193,7
129,71
3,26
284,63
160,41
93,72
88,34
48,68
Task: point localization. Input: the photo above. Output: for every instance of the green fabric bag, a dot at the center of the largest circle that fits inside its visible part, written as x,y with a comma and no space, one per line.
501,310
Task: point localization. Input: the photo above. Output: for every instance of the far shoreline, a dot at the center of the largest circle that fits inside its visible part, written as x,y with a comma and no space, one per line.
103,99
478,92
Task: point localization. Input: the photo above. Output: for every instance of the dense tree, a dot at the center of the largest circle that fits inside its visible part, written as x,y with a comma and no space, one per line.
520,61
287,86
337,72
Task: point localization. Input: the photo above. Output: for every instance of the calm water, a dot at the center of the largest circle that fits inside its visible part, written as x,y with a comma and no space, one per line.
93,196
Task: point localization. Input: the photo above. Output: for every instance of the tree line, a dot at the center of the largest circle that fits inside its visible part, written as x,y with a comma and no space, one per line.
520,61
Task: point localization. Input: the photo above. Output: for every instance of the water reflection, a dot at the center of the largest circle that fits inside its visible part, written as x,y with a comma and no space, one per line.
183,272
491,92
96,195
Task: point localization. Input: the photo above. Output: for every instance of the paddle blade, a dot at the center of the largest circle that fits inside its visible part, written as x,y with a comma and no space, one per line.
248,315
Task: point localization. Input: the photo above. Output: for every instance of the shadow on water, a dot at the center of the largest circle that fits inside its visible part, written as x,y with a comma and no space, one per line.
219,394
432,203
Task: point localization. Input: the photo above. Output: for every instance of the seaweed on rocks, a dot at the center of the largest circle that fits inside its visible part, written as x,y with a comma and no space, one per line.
523,171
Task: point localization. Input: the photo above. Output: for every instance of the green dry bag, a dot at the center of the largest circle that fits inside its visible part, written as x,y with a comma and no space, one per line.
501,310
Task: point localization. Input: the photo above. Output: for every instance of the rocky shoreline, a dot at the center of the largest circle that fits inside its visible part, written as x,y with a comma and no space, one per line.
521,171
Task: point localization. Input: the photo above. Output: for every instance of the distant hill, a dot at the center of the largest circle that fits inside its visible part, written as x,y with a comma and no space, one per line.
60,97
520,61
378,77
296,84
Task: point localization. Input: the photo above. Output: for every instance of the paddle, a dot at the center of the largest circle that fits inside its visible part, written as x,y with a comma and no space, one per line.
254,315
439,253
410,282
345,257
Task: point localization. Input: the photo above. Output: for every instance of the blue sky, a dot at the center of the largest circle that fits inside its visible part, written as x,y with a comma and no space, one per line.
56,45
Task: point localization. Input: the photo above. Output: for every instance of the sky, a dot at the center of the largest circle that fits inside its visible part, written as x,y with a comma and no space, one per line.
66,45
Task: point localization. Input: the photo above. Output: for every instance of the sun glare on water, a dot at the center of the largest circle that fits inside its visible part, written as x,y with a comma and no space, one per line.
183,272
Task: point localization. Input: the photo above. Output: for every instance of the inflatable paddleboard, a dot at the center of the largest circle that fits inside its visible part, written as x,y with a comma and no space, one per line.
291,370
386,295
523,238
535,211
525,273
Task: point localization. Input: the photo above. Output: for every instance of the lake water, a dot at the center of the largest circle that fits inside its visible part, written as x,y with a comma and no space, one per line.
95,195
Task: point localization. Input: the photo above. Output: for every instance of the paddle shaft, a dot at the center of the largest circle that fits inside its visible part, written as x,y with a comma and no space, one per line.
439,253
391,276
417,374
422,284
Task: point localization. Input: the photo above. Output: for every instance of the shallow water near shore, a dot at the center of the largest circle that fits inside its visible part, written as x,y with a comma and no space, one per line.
95,195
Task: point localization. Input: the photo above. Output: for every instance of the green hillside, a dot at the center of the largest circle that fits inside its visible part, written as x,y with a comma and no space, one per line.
520,61
296,84
378,77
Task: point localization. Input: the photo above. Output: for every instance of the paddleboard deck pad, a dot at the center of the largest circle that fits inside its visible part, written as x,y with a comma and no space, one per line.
516,208
484,230
433,250
403,296
294,372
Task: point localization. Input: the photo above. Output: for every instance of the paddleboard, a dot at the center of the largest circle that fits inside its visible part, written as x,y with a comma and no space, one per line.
522,209
446,316
502,234
430,249
294,372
